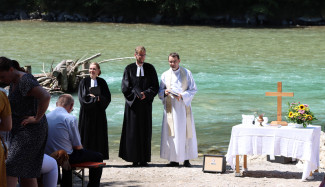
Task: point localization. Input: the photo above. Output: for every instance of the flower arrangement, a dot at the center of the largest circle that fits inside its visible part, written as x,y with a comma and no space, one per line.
300,114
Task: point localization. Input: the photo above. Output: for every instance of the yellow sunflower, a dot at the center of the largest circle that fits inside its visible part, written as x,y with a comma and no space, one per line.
290,114
301,107
309,117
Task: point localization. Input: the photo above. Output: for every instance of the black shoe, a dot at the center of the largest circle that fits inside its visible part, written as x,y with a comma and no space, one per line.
172,164
135,164
143,164
187,163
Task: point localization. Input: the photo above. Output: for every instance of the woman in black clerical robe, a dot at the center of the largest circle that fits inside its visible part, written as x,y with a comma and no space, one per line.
94,97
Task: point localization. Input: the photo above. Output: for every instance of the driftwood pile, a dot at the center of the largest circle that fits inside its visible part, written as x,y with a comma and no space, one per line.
65,76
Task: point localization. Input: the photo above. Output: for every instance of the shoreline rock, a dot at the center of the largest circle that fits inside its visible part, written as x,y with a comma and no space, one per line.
220,20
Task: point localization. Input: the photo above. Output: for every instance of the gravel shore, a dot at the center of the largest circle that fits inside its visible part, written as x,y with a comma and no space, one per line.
260,173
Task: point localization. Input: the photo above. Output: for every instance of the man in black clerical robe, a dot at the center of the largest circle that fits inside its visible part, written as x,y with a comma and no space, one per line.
92,116
139,86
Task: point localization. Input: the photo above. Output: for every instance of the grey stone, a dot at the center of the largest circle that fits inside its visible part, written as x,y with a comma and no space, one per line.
251,20
9,17
120,19
68,17
49,16
238,21
105,19
311,20
157,18
61,16
23,15
81,17
35,15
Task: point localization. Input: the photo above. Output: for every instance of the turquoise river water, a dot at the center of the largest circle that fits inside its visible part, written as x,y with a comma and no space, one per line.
232,67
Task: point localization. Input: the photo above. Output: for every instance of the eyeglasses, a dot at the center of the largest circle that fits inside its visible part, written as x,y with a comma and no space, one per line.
141,55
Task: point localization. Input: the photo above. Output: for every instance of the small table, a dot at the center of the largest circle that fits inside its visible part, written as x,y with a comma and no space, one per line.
300,143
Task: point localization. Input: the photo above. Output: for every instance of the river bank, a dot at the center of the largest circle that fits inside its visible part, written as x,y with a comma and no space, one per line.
220,20
260,173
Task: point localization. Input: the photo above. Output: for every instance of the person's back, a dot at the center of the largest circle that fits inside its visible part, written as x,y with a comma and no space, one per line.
63,132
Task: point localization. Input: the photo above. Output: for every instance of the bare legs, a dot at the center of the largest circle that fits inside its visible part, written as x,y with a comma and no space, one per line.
28,182
12,181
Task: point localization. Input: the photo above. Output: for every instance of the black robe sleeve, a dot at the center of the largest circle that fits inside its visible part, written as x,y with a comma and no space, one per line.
153,88
127,87
105,94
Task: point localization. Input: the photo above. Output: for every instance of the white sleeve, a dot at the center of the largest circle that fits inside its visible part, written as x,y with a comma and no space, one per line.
162,88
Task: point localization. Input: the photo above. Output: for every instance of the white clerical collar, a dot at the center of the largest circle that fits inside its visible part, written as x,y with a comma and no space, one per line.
93,83
140,69
176,71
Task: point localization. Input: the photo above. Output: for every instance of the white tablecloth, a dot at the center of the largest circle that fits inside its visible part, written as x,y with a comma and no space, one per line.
300,143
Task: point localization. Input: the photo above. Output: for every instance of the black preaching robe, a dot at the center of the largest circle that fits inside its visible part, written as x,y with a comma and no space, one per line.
135,145
92,116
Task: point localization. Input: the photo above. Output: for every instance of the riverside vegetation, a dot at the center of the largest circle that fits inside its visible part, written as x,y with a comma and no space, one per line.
204,12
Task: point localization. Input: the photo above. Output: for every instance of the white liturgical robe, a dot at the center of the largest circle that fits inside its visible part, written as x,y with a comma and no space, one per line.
179,147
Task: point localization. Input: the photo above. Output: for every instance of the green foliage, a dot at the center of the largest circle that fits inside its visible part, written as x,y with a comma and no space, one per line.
179,9
264,7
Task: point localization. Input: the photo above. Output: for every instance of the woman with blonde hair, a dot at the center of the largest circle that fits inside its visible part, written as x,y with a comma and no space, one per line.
94,98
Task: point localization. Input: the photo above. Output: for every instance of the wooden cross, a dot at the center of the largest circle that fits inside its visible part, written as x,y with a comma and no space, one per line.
279,94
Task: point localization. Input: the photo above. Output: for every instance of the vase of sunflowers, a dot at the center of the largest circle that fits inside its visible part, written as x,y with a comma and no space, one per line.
300,114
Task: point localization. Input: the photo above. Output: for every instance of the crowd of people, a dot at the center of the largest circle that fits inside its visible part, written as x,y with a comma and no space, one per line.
36,138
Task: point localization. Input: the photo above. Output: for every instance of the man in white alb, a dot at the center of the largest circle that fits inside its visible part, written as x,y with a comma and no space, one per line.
178,136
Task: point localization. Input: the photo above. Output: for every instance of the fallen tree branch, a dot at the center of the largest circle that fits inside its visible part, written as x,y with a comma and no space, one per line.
88,59
115,59
66,75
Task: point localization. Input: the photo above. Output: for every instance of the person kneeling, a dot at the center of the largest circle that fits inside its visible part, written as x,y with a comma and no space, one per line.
63,134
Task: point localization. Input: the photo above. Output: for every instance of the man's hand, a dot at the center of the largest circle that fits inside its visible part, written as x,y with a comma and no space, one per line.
143,96
167,92
179,97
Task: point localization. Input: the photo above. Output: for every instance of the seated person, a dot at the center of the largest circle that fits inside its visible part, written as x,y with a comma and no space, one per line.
49,172
5,125
63,134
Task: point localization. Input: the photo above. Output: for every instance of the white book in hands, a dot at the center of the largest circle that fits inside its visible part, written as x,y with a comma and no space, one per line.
173,93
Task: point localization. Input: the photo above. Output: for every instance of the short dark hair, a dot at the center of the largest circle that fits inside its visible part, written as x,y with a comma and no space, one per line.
6,64
174,55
